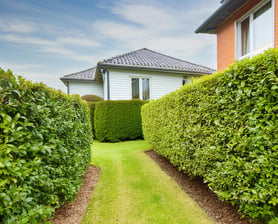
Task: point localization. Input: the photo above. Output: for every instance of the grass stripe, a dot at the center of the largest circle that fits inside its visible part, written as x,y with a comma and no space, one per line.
133,189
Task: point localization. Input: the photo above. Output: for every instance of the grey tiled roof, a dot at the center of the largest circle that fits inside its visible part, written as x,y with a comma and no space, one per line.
141,59
145,58
88,74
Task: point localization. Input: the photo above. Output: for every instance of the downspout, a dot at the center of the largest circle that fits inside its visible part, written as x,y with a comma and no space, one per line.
108,86
103,71
68,91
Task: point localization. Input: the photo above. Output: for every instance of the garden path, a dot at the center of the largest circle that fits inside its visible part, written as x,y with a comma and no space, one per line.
133,189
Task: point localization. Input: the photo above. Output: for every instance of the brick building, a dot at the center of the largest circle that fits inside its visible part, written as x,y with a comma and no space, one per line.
244,28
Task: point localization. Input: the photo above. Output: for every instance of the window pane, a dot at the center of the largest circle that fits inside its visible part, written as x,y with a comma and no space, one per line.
146,89
262,10
245,37
186,80
263,26
135,88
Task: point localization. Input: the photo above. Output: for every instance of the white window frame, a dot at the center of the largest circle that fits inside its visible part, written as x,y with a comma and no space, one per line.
250,14
140,86
186,79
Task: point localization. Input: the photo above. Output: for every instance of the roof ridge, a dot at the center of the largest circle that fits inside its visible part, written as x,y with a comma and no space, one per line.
177,59
121,55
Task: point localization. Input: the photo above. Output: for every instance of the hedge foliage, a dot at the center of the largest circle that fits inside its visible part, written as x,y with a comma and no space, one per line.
45,139
224,127
118,120
91,100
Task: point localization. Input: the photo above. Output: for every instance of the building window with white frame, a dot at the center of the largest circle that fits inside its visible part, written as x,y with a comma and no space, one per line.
255,31
186,79
140,88
135,88
146,88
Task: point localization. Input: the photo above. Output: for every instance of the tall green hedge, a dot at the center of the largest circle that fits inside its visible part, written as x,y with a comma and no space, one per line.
45,139
92,100
224,127
118,120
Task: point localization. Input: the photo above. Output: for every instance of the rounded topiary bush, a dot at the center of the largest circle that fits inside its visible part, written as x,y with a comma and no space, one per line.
91,98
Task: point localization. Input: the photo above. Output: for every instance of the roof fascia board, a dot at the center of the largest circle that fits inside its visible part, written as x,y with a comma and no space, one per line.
79,79
151,69
203,28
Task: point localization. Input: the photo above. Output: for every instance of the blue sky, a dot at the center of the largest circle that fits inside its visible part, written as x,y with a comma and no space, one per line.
43,40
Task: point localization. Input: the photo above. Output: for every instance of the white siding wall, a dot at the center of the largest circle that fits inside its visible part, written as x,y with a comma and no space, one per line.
85,88
163,84
119,85
160,84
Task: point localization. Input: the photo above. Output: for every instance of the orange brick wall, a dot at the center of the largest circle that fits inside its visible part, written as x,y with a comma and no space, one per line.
226,34
225,44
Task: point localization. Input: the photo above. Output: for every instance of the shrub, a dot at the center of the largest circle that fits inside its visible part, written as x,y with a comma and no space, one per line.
45,139
91,98
118,120
224,127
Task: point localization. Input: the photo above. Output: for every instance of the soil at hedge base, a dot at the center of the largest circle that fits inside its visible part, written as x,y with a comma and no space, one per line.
219,211
72,213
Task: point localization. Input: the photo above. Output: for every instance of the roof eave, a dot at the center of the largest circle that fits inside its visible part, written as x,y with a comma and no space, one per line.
64,79
152,69
210,24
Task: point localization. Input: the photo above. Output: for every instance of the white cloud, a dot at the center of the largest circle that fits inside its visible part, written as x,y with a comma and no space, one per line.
183,46
18,26
15,38
162,17
158,27
35,73
120,32
51,80
12,66
188,45
47,46
67,53
149,16
78,41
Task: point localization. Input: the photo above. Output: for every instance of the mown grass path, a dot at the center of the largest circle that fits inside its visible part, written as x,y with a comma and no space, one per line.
132,189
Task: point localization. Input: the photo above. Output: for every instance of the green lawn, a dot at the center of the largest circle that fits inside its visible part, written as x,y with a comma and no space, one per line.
132,189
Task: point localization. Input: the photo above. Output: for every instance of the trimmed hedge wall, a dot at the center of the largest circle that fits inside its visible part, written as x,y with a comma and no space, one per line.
45,140
118,120
224,127
92,100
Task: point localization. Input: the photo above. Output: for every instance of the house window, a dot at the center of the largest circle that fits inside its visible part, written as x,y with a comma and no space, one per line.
135,88
146,89
140,88
255,31
186,79
245,36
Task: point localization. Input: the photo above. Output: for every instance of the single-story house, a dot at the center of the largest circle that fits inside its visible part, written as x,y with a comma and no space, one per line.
141,74
244,28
